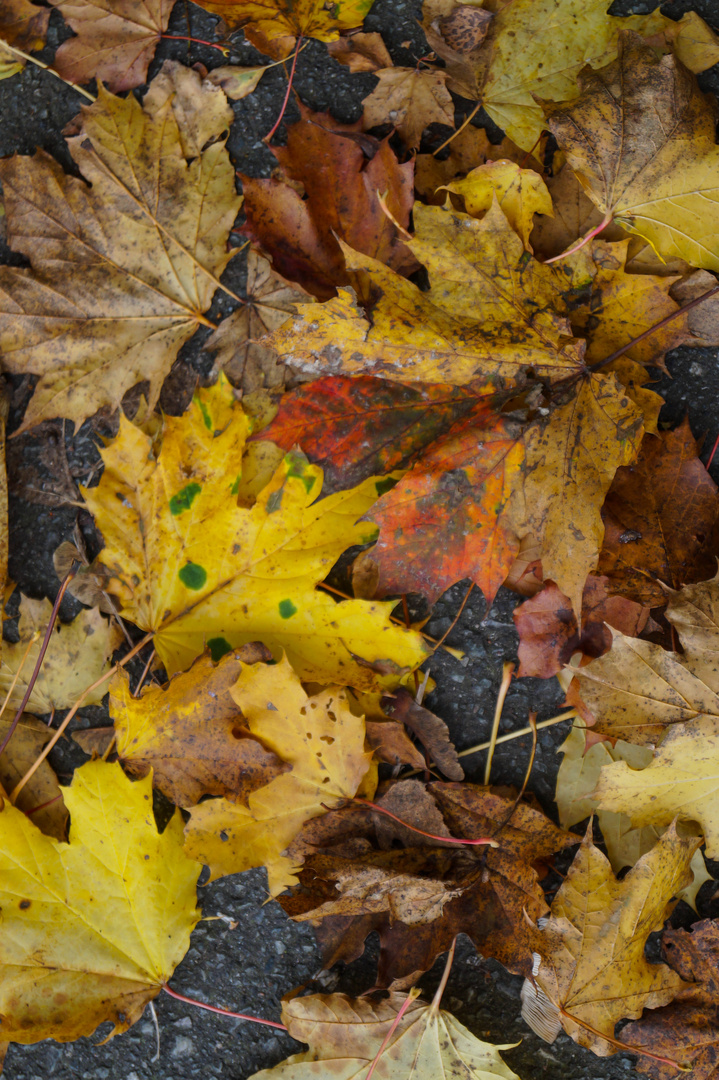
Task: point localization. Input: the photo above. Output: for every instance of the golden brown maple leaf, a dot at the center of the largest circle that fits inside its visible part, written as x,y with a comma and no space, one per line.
273,25
323,743
114,40
638,690
641,139
23,24
141,249
191,734
410,99
594,971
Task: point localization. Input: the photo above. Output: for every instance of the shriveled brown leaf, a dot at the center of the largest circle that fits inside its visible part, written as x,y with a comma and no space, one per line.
429,729
687,1030
661,520
328,191
392,745
361,52
23,24
548,631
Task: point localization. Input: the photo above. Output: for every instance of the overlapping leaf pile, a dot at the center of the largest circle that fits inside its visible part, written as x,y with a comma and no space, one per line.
442,360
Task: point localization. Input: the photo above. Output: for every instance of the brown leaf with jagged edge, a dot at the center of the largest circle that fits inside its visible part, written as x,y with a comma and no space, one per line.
192,734
593,966
641,137
114,40
392,744
329,190
41,797
361,52
429,729
247,363
496,888
407,1039
549,635
661,520
638,690
121,270
410,99
23,24
687,1029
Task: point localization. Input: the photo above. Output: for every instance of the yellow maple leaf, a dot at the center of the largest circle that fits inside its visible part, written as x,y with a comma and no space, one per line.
142,240
415,1041
201,571
322,740
410,99
641,139
521,193
92,928
76,656
594,968
273,25
487,316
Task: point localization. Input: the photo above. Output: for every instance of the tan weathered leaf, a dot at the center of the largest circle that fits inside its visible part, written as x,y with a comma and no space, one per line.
41,797
410,99
123,269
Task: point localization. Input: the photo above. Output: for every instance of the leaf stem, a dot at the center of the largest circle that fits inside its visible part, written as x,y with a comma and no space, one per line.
223,1012
38,663
278,121
46,67
483,840
624,1046
606,220
411,996
13,684
657,326
98,682
455,620
436,1000
224,49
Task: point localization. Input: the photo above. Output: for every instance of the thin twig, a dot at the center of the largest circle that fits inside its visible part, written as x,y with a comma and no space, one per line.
528,771
507,672
46,67
583,241
78,704
623,1046
411,996
146,668
437,999
569,715
38,662
455,620
657,326
223,1012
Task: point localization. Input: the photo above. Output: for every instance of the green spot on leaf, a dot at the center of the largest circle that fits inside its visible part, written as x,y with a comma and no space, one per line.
183,499
193,576
385,485
297,467
236,486
205,413
218,647
287,609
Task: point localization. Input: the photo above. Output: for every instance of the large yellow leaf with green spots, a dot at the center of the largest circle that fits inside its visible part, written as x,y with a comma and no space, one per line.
188,562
